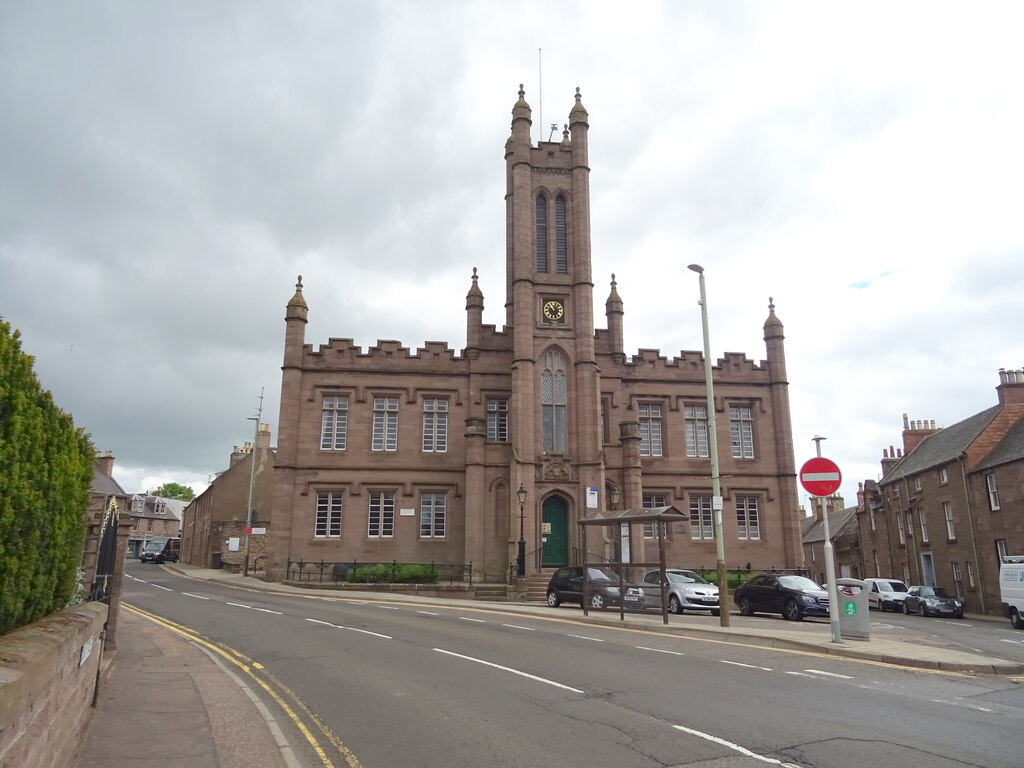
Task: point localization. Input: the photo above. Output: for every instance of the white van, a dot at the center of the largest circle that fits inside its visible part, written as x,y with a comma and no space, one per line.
1011,589
886,594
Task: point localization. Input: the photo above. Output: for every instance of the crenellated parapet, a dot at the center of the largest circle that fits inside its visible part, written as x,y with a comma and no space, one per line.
385,355
651,361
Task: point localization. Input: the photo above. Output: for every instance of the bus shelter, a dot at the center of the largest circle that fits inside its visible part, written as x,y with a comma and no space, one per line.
624,520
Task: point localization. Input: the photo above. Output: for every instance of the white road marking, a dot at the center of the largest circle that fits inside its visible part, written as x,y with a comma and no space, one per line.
1015,642
798,674
828,674
749,666
428,613
736,747
963,704
166,589
659,650
584,637
389,607
254,608
466,618
516,626
367,632
509,669
350,629
197,597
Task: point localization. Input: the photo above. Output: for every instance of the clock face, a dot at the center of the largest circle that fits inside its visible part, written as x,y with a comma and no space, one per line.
553,310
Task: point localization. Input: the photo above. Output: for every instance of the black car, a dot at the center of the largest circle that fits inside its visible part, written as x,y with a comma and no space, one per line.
566,586
792,596
932,601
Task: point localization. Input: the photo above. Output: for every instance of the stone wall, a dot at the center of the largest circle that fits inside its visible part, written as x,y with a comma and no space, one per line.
48,676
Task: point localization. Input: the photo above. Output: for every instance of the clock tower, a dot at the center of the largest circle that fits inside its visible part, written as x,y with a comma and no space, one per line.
555,408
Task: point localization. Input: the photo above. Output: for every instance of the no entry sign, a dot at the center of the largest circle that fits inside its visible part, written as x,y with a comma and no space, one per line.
820,476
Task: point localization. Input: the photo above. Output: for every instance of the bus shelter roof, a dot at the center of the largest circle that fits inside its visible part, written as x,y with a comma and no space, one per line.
636,515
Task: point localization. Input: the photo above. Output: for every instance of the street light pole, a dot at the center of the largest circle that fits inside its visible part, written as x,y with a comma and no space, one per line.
716,487
830,565
521,559
252,482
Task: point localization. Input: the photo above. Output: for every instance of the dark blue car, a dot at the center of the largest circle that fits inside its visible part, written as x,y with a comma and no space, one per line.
792,596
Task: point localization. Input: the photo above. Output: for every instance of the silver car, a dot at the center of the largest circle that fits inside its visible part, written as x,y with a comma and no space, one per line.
687,591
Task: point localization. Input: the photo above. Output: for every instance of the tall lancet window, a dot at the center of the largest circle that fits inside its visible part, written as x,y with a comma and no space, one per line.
553,397
561,248
542,234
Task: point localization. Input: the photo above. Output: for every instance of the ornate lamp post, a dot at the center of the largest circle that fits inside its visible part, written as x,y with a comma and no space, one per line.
615,494
521,559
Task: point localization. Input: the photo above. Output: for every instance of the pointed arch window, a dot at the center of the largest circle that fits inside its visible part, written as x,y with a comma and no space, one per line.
541,234
561,247
553,394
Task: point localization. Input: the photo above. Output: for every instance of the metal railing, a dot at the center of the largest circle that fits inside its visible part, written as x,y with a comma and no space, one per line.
393,572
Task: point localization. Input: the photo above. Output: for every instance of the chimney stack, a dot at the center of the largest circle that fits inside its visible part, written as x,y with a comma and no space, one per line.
105,462
1011,387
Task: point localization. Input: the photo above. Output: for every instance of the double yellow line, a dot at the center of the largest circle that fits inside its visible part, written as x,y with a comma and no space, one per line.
284,697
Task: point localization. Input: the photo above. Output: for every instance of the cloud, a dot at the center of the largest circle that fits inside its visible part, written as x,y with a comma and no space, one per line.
170,169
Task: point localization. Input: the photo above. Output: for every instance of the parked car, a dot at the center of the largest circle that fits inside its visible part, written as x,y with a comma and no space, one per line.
792,596
566,586
886,593
932,601
687,591
160,549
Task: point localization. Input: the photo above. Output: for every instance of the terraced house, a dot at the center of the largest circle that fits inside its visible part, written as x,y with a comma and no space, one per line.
441,456
950,503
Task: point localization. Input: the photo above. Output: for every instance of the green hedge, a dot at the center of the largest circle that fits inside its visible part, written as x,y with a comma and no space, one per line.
45,476
397,573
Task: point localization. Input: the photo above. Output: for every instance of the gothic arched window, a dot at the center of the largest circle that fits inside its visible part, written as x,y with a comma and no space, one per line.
541,234
561,247
553,396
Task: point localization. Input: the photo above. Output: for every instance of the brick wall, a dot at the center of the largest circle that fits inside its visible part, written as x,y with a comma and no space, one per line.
46,686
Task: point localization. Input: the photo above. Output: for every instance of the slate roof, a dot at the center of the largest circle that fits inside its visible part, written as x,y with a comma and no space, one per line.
1010,448
813,530
105,484
942,447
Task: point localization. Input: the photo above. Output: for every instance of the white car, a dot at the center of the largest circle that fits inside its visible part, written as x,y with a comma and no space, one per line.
687,590
886,594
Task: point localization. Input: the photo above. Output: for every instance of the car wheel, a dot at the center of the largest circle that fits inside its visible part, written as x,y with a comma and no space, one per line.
924,610
716,612
791,612
881,606
1015,619
746,609
906,609
553,600
673,605
597,601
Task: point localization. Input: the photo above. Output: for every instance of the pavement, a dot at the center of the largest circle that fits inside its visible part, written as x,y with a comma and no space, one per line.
191,710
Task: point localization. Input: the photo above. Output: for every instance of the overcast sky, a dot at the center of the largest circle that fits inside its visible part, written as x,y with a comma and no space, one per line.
168,168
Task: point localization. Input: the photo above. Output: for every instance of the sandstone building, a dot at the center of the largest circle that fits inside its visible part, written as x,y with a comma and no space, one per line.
388,454
950,503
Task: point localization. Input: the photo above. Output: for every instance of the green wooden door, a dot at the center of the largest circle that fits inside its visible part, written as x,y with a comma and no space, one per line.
555,531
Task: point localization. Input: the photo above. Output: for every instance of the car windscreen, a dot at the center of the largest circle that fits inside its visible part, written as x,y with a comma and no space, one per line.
798,582
940,592
892,586
155,545
596,574
685,577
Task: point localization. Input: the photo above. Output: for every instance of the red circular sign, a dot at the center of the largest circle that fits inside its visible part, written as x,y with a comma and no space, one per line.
820,476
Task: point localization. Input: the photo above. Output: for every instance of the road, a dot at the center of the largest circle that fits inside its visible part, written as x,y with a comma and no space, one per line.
408,684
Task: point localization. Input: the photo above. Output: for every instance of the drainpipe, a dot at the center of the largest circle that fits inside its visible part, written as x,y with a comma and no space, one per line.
974,538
